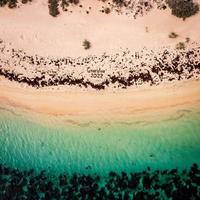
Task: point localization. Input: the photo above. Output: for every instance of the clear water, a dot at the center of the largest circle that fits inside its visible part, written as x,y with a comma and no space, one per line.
167,144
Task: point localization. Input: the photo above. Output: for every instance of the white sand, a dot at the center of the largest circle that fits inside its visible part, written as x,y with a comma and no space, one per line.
32,29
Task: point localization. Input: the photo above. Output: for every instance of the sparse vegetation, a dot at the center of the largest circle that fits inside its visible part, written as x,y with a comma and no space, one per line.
173,35
180,46
183,8
53,7
187,39
107,10
3,2
179,8
12,3
86,44
65,4
74,1
119,2
25,1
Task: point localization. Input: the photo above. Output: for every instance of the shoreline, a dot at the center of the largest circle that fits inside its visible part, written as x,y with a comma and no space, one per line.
87,107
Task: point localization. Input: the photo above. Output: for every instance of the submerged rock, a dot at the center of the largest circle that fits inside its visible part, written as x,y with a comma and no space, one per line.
155,185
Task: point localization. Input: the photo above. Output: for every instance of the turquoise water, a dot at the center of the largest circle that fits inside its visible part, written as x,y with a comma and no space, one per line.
167,144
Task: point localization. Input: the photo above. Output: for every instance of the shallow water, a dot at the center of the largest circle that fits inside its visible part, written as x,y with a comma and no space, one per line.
167,144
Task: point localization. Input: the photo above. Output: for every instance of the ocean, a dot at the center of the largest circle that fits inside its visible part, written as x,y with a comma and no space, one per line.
26,144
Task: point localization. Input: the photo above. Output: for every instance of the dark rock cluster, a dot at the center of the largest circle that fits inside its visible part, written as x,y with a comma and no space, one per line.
160,184
120,70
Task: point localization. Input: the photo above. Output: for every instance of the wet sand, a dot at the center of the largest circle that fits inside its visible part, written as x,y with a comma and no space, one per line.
105,105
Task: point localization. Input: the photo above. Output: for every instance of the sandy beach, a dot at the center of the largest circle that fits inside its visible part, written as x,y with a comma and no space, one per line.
65,35
43,35
126,49
125,105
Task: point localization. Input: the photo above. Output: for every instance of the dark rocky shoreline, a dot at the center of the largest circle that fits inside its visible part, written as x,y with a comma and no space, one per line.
122,70
160,184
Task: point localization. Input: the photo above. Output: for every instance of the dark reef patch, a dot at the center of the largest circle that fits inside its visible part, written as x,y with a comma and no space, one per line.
159,184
